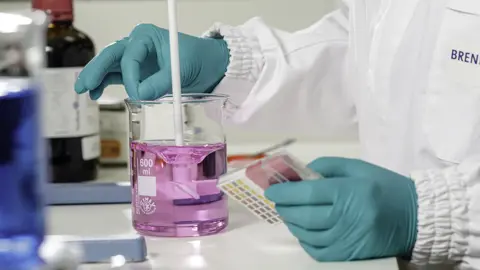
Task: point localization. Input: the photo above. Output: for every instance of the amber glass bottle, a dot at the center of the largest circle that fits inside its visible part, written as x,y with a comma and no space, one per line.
71,121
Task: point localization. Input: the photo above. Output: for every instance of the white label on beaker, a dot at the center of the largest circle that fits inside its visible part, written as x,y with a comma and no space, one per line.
67,114
147,186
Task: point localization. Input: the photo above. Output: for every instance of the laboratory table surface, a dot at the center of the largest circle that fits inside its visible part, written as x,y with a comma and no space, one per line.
246,244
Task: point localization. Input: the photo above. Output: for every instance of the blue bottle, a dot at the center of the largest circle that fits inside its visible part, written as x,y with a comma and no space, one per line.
22,152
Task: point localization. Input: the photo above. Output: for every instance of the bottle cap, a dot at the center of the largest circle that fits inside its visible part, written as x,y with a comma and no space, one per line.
59,10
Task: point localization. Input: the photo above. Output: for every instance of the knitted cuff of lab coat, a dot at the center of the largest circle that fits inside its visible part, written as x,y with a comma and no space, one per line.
246,59
441,213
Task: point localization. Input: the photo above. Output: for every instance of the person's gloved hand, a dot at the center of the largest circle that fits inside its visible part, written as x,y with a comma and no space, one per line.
359,211
142,63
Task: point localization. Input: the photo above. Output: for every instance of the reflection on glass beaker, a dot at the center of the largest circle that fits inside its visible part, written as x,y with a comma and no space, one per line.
175,187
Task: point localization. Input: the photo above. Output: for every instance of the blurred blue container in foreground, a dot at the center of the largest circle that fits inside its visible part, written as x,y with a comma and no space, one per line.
22,154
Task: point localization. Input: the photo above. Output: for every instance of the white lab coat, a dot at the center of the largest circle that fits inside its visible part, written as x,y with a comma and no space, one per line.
405,75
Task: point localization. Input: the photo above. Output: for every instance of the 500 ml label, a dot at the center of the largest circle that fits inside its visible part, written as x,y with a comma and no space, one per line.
146,165
146,185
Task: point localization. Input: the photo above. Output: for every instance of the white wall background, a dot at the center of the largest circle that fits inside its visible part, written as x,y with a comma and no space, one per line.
109,20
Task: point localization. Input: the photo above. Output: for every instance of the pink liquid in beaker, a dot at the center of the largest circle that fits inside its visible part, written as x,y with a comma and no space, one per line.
175,189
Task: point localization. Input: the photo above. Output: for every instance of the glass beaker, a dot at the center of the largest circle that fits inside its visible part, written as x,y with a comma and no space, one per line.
174,188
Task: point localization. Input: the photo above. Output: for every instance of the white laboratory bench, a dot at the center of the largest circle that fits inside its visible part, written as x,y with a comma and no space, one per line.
246,243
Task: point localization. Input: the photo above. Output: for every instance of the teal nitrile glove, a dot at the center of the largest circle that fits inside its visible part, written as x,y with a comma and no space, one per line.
359,211
142,63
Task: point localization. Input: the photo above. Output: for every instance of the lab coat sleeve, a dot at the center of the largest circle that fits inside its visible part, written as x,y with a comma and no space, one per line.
282,81
449,215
